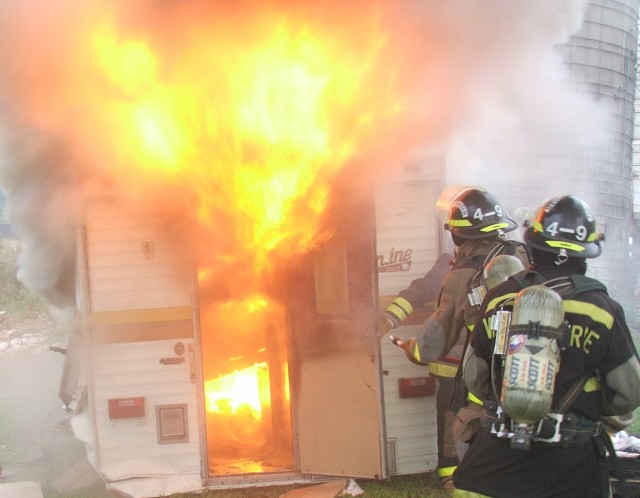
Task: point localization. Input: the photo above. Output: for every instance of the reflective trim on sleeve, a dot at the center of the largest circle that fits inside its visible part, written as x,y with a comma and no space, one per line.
594,312
474,399
400,308
463,493
416,352
442,370
446,471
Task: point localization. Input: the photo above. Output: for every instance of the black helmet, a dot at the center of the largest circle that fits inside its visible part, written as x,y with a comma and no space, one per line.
474,213
565,226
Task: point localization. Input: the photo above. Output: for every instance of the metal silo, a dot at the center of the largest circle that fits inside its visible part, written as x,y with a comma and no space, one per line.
554,157
601,59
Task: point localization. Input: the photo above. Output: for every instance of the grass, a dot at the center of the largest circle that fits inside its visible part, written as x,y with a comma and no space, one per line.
412,486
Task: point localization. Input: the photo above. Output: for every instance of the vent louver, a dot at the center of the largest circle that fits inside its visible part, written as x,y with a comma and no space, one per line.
392,458
171,423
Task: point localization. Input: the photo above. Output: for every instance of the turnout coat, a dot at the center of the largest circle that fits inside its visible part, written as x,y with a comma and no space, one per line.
599,348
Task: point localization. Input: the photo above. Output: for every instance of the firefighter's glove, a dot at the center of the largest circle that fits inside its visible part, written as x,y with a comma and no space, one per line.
387,322
467,423
411,351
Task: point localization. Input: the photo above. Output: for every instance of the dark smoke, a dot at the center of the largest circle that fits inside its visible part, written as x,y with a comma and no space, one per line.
40,177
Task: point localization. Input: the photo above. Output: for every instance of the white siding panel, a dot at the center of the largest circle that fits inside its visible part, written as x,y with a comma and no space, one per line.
406,219
131,264
134,370
411,421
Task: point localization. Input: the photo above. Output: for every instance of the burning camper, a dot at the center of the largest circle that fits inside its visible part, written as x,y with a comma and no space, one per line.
224,160
184,384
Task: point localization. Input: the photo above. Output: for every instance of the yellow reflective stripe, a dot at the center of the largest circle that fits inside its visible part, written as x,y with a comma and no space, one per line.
594,312
498,300
463,493
470,327
416,352
495,226
401,308
537,226
442,369
474,399
459,223
446,471
564,245
592,385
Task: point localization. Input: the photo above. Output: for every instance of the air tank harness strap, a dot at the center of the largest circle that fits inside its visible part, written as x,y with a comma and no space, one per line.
577,430
534,329
560,429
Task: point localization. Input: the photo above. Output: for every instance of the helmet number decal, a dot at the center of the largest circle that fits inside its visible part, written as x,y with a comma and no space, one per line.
580,231
552,229
479,215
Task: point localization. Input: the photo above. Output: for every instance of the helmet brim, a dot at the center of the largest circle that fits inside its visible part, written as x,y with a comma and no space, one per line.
506,225
541,242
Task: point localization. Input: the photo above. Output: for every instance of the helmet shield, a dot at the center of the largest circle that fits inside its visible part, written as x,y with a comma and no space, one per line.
565,225
446,198
474,213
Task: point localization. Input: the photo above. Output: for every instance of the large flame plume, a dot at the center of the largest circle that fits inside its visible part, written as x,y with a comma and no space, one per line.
240,116
237,117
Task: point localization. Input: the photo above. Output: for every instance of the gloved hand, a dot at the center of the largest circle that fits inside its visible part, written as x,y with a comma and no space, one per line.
386,323
409,346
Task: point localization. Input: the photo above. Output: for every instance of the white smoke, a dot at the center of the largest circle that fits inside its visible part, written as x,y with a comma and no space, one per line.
488,72
525,129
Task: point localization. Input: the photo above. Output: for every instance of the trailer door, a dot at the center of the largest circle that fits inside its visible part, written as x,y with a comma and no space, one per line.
335,379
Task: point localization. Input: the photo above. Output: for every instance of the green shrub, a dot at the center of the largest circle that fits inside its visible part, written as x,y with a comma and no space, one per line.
14,296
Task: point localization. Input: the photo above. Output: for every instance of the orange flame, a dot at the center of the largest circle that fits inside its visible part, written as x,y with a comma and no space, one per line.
241,119
246,388
271,147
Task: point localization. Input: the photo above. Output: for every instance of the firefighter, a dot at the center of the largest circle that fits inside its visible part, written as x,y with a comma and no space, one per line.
598,372
478,228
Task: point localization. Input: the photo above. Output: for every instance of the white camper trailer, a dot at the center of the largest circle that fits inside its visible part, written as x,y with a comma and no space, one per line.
177,387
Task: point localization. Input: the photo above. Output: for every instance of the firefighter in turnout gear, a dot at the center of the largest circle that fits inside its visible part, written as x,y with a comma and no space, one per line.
478,226
528,447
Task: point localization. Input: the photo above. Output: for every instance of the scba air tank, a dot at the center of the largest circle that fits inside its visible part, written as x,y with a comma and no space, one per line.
533,355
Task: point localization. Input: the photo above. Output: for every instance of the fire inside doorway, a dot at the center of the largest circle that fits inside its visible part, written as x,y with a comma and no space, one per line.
246,387
290,368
